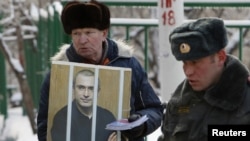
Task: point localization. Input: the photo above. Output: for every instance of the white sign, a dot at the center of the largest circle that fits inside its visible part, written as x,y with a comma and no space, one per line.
171,15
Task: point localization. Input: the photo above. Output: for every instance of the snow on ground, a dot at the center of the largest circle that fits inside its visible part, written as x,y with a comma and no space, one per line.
154,136
17,127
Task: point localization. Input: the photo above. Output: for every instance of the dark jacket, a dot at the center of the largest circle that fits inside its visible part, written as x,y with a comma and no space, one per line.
143,101
81,125
189,113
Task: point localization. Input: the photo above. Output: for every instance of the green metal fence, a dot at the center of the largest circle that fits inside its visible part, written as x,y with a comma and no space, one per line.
51,36
3,91
187,3
3,88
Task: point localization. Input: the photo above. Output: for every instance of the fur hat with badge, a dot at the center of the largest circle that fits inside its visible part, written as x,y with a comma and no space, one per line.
198,39
92,14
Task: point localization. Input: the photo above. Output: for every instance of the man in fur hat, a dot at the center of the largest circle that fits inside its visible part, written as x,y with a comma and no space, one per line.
215,91
87,23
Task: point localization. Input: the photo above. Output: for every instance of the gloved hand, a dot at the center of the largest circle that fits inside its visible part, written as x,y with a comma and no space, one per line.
136,131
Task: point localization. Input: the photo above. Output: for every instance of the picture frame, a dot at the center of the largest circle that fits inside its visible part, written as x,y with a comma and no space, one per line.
114,95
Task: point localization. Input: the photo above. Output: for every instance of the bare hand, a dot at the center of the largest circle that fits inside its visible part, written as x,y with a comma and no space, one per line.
113,137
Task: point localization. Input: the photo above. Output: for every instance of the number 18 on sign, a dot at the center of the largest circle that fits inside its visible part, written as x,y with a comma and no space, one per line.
171,12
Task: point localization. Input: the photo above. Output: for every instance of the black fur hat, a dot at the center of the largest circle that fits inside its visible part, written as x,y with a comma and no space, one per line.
77,14
198,39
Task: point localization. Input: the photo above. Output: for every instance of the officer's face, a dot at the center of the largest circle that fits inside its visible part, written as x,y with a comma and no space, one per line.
205,72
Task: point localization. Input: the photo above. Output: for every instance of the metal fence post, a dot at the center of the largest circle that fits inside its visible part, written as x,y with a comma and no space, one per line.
3,91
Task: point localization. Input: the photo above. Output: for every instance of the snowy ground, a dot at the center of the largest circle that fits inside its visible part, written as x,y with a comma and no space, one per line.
17,128
154,136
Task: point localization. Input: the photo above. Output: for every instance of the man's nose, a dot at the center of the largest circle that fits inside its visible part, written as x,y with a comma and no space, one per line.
83,38
86,92
188,70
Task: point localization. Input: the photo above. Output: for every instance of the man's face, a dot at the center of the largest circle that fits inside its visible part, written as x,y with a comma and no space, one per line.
203,73
84,90
88,42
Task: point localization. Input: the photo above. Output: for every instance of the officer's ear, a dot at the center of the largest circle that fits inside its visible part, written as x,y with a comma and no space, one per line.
222,56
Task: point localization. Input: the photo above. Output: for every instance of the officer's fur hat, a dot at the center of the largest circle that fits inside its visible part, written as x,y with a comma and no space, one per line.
77,14
198,39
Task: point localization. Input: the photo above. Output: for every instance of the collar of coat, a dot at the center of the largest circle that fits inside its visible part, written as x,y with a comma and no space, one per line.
227,94
112,49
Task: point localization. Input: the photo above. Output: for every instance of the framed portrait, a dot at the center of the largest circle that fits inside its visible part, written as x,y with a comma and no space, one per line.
83,98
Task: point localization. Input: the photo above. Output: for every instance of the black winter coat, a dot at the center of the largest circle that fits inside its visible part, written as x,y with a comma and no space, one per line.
189,113
143,99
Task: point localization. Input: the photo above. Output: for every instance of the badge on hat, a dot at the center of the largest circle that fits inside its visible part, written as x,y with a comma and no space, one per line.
185,48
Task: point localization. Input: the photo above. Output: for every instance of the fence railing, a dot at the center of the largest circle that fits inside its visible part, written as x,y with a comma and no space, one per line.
51,35
148,23
187,3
